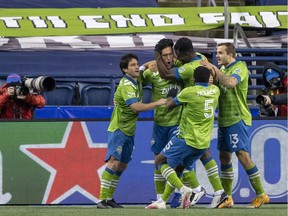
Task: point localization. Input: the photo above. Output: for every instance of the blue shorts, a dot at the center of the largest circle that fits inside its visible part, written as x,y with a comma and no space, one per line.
120,146
161,136
234,138
178,152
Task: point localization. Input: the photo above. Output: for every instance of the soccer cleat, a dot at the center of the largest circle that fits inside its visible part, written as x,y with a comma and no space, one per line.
156,205
185,199
102,205
259,200
195,197
112,203
176,201
218,200
229,203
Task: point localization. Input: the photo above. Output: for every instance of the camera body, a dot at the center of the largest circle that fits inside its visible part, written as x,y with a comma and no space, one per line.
265,110
39,84
21,90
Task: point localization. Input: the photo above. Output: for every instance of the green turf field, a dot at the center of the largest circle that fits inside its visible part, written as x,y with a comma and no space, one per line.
200,210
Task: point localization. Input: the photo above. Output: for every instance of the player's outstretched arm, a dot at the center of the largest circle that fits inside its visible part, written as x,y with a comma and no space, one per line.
141,107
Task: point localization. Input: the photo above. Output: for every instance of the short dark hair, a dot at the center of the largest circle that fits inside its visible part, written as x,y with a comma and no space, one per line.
125,59
163,43
184,45
230,49
202,74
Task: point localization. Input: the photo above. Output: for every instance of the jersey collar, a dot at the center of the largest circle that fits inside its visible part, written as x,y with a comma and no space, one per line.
202,84
233,63
132,80
198,57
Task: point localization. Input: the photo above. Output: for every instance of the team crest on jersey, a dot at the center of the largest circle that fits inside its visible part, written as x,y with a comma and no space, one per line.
131,94
181,69
237,70
119,150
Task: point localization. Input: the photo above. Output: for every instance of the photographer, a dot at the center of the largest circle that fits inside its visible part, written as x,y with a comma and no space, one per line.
16,101
274,100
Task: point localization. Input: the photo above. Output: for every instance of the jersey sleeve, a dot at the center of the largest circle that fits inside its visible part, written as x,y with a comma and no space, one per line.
129,94
183,72
240,73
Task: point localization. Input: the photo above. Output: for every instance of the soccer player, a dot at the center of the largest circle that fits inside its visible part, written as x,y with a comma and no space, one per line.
166,122
234,119
191,60
122,128
195,129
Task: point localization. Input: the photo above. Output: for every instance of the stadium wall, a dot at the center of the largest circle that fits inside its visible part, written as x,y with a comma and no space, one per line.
60,162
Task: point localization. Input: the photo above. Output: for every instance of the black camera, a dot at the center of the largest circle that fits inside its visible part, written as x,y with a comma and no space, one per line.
260,100
21,90
265,110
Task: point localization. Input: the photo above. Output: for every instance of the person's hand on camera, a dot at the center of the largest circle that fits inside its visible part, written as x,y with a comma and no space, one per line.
11,91
267,100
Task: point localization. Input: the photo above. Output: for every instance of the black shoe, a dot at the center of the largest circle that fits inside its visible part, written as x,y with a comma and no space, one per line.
113,204
102,205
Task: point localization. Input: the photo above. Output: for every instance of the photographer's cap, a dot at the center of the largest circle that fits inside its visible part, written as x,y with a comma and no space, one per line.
13,80
271,73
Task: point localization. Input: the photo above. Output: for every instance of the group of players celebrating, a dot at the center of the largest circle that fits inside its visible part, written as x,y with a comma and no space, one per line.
186,90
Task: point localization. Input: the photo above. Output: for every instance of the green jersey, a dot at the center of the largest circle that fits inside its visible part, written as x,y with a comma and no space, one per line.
123,118
199,104
186,71
160,88
232,102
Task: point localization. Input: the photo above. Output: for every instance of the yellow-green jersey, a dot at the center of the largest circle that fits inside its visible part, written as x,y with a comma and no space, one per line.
160,88
233,101
186,71
197,120
128,91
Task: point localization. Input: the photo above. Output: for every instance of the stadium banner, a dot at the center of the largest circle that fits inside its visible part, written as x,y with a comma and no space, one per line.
19,22
61,163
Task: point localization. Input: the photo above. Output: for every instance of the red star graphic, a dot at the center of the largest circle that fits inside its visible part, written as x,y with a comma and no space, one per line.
75,164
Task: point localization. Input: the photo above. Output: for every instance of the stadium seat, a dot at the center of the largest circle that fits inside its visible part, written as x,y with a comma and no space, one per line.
97,94
63,94
147,94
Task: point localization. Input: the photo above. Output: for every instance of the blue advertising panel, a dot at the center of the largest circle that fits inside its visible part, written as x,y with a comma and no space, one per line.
61,162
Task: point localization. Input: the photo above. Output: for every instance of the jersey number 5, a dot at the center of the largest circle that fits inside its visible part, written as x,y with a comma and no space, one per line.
209,110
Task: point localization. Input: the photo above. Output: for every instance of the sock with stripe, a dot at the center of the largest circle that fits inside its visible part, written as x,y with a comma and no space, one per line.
254,178
227,176
106,180
159,183
212,173
113,185
170,175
